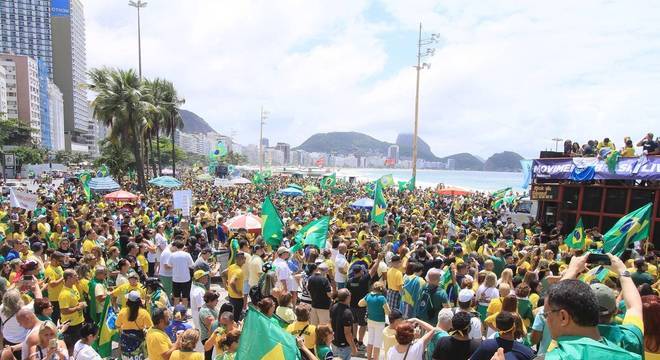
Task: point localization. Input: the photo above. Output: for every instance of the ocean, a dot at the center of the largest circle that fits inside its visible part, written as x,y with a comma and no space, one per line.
473,180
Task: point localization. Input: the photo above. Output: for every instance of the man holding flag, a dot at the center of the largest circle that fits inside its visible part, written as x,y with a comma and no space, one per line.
380,206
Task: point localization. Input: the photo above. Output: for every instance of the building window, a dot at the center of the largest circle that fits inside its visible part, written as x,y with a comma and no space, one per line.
615,201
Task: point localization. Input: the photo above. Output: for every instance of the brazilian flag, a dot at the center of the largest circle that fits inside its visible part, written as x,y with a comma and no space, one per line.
329,181
272,223
500,193
380,206
576,239
233,250
407,185
370,187
107,331
314,233
630,228
84,178
276,345
258,178
386,180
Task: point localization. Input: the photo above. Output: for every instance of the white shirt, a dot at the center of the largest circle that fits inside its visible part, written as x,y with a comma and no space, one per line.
161,244
164,258
284,274
181,263
196,302
151,256
485,295
415,352
84,352
11,330
340,263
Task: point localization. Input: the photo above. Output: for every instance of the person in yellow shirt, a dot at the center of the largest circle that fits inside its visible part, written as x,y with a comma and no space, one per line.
394,282
132,321
43,227
188,342
72,308
302,327
159,345
495,305
235,278
120,292
55,279
90,242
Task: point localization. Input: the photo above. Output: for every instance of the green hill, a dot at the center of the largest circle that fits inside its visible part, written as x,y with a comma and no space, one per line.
464,161
504,161
193,123
344,143
405,148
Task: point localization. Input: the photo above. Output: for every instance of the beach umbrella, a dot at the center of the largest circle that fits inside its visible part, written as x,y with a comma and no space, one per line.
290,192
453,191
105,183
311,189
295,186
120,195
165,181
248,222
204,177
363,203
240,181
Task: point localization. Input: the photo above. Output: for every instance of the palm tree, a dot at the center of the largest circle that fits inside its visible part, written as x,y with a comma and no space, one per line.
121,103
169,104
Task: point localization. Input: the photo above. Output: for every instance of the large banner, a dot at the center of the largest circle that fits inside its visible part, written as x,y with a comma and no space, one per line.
22,199
585,169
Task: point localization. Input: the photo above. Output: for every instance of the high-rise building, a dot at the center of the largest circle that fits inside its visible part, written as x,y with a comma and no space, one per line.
3,91
393,153
25,29
264,142
69,72
56,116
286,150
23,96
46,135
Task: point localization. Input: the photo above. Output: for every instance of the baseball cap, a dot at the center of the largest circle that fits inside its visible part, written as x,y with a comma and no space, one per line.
281,250
133,296
200,274
465,295
133,274
323,266
605,297
180,309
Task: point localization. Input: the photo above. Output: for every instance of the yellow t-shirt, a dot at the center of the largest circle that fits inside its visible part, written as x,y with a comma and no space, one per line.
83,286
87,246
70,298
143,320
495,306
534,299
19,236
44,228
55,239
157,343
186,355
309,335
235,272
394,279
389,338
54,274
143,262
120,292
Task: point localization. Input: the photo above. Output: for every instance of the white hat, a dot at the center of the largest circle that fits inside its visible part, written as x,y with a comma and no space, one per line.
133,296
465,295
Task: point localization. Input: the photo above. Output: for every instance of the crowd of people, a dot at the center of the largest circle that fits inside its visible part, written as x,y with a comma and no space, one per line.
442,278
595,148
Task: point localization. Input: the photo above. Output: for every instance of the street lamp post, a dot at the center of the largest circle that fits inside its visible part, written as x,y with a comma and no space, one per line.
420,55
138,5
262,121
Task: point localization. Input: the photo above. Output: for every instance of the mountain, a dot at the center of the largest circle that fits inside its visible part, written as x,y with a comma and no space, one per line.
344,143
405,148
464,161
193,123
504,161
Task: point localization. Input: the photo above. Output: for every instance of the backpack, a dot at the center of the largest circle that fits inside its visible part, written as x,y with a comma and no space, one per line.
425,309
255,292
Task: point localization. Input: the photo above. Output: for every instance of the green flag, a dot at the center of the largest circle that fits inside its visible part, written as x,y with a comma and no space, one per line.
630,228
407,185
107,333
403,185
103,171
576,239
500,193
233,250
261,339
370,187
386,180
258,178
612,160
329,181
446,279
84,178
314,233
271,223
380,206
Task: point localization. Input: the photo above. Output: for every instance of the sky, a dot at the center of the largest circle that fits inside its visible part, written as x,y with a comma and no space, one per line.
505,75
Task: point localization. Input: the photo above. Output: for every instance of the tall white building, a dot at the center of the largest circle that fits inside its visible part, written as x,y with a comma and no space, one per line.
393,153
3,90
23,98
56,111
69,73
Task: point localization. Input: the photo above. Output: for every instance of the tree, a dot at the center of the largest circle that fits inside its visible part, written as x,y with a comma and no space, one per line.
121,103
236,158
14,132
165,148
116,157
168,104
30,155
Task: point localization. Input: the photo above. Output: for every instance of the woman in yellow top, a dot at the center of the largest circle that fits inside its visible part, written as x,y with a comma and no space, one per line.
188,341
132,321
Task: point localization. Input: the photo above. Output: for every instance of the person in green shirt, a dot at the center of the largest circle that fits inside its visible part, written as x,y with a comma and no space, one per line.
572,314
640,276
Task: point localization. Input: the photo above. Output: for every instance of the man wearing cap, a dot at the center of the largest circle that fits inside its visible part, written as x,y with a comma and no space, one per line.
465,304
235,278
320,291
627,335
43,227
283,272
119,293
72,308
197,291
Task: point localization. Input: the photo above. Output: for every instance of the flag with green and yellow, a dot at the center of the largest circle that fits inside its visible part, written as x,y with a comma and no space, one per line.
261,339
386,180
84,178
315,233
380,206
576,239
107,331
271,224
633,227
329,181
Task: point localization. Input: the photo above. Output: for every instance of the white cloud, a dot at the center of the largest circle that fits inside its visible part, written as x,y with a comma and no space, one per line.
508,75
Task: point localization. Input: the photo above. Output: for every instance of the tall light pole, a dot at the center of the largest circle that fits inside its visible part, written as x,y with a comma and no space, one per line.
262,121
138,5
420,55
557,141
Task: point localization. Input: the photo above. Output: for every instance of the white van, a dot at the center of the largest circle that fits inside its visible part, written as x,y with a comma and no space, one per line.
525,212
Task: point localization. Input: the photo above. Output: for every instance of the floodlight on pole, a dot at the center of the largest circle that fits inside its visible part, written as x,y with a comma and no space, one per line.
138,4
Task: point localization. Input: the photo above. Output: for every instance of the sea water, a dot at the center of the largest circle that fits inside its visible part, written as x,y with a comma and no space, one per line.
473,180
